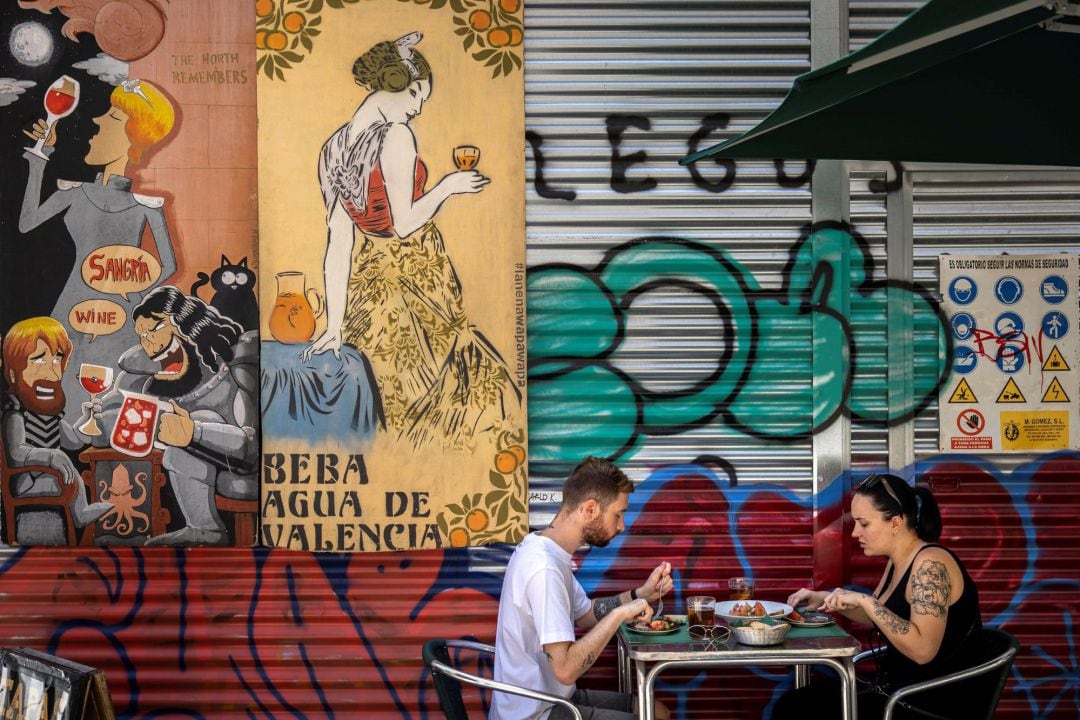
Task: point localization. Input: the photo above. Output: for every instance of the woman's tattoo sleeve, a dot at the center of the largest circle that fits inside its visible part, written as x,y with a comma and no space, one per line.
888,620
930,589
602,606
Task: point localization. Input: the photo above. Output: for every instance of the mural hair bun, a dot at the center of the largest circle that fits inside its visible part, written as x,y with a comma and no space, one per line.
394,76
391,66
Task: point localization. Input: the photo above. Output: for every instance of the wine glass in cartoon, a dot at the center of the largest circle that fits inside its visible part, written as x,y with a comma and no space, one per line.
95,379
466,157
60,101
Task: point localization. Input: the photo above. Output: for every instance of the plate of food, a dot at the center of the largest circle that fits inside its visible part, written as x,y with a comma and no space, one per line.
805,617
743,609
656,626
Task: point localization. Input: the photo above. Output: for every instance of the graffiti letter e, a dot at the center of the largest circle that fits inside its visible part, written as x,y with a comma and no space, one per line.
616,126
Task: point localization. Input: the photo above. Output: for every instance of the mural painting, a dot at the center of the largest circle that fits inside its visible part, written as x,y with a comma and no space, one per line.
129,412
393,372
454,593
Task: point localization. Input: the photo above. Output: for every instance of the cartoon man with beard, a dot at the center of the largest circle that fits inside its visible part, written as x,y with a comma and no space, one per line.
206,367
36,353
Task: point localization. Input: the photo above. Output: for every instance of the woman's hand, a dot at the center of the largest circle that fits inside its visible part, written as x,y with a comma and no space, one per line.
842,599
39,132
329,340
465,182
804,596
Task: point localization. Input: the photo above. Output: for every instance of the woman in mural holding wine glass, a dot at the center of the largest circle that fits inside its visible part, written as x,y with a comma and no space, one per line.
391,290
105,212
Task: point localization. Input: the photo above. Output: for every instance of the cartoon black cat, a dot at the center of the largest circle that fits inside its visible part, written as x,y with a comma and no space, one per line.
234,292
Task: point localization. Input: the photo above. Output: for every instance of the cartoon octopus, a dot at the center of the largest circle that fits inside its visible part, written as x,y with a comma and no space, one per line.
119,493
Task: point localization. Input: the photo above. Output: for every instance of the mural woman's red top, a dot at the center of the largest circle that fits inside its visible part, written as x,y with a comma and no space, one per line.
376,219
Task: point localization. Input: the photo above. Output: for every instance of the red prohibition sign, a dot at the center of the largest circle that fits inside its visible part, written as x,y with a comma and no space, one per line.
970,421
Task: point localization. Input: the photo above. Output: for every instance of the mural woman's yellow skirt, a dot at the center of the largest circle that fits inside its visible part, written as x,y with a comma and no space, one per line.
440,378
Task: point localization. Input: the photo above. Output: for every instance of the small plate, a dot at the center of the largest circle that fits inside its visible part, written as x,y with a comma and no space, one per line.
813,619
675,625
723,609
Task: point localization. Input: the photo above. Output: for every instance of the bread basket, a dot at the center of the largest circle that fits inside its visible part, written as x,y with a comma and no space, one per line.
772,635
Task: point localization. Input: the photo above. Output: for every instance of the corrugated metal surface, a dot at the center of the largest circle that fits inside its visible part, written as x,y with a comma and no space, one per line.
672,68
1039,213
631,337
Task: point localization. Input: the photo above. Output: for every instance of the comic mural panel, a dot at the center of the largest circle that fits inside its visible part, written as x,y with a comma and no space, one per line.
128,266
391,212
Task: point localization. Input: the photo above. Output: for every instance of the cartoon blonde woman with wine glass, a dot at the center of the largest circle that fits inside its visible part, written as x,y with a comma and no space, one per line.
104,212
391,289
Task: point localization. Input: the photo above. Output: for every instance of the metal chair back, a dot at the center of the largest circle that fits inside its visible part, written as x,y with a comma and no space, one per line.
448,679
982,683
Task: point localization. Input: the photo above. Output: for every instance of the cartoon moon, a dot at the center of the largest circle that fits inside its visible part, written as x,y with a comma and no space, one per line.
31,43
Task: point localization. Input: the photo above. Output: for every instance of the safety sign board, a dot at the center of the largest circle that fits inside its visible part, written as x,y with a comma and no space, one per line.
1014,322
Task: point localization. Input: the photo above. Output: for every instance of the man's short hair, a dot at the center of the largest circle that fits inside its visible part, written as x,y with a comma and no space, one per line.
597,479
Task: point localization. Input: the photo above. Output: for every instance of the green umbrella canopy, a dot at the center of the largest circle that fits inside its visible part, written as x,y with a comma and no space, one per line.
973,81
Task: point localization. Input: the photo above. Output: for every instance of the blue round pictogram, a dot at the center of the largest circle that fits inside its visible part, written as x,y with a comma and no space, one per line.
964,359
1010,358
1008,325
1054,289
962,290
1008,290
963,325
1055,325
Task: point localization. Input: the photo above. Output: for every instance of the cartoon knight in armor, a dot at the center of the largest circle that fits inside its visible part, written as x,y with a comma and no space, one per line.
207,368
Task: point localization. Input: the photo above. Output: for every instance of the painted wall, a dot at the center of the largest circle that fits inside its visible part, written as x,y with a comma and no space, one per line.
233,633
688,305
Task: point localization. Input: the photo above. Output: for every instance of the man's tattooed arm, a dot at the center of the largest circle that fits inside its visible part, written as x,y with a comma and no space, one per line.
587,661
602,606
930,589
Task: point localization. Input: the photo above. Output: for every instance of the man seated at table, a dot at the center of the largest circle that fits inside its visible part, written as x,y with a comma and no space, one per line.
542,602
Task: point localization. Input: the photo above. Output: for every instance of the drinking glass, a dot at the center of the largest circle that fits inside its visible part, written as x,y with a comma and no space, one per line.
95,379
701,610
466,157
60,101
740,588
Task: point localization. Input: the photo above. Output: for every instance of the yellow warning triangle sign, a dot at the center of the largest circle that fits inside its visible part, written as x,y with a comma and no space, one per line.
1011,393
1055,393
963,393
1055,361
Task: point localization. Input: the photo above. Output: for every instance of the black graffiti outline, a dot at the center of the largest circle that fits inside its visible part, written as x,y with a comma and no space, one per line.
811,300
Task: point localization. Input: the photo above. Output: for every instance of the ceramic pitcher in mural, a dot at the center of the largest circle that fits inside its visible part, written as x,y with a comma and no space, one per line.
293,317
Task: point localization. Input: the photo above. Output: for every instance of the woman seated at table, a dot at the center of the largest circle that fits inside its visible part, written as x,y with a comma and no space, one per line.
925,609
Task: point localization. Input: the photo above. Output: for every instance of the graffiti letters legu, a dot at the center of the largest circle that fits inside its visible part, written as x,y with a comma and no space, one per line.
577,330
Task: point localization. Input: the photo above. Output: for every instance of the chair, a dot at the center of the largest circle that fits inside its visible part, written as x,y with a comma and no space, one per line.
61,503
999,648
245,513
448,679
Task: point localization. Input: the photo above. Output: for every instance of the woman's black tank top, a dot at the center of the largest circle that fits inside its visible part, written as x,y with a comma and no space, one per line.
960,644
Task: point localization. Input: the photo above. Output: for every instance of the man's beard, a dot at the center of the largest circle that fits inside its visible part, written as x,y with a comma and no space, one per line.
183,384
593,534
46,397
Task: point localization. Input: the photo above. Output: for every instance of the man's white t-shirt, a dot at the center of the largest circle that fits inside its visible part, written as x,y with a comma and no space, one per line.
540,599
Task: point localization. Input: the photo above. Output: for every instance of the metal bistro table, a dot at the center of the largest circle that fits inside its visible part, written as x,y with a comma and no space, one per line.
644,657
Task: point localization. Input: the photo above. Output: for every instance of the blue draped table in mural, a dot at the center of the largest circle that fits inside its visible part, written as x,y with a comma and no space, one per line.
325,398
644,657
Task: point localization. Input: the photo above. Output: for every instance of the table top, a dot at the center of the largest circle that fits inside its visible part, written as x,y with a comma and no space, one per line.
828,641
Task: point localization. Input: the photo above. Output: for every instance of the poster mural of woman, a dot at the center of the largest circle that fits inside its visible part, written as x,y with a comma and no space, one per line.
105,212
391,288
